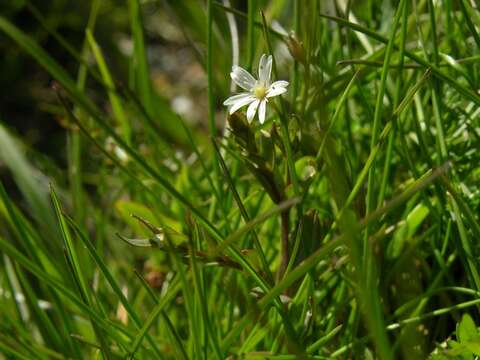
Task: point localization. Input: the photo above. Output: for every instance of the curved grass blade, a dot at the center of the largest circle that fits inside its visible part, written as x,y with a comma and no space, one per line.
467,93
111,281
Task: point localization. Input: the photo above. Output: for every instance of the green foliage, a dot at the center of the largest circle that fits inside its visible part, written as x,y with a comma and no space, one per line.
467,345
160,226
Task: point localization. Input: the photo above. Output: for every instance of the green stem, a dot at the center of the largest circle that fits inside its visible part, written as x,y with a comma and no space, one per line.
296,27
285,244
211,103
367,273
250,34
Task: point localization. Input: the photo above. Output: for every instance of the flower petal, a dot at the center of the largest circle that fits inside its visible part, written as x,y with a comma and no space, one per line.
265,69
242,78
262,110
233,99
279,83
279,28
277,88
241,103
252,109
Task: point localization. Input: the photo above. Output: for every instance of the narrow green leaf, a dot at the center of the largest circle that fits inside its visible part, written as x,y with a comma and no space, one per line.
115,100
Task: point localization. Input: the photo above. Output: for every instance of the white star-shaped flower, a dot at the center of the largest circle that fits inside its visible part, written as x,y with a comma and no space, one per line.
258,91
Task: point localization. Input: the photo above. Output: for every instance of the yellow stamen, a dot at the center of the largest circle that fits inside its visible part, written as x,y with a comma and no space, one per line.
259,91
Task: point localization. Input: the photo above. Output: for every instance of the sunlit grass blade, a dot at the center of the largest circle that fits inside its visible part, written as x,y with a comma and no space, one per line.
115,101
330,246
160,304
139,61
76,268
112,282
467,93
243,211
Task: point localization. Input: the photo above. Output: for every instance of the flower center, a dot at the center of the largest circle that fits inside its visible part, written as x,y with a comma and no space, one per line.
259,91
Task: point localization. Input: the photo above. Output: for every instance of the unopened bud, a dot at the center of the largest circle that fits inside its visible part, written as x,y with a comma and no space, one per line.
296,48
242,131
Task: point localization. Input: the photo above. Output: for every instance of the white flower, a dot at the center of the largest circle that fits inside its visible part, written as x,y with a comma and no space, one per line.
258,91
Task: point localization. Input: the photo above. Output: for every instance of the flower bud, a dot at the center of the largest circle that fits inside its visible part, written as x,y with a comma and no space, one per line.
296,48
242,131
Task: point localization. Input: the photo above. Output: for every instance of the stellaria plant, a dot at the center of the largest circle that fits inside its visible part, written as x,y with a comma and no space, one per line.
341,224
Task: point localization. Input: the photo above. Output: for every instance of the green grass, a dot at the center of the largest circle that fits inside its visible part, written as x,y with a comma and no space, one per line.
346,226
